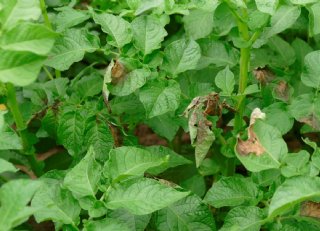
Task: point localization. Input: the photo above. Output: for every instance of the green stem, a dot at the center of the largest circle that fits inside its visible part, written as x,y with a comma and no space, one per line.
48,73
21,128
48,24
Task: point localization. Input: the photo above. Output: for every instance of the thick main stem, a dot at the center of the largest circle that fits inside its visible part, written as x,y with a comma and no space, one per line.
21,128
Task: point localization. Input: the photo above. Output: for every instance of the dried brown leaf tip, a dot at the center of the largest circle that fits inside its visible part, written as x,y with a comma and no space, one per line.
118,71
282,91
312,120
310,209
263,75
252,144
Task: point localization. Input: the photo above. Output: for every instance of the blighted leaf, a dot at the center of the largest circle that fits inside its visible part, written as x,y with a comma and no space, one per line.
282,91
160,97
232,191
264,147
288,194
71,47
180,56
148,33
141,196
13,11
306,109
310,209
189,213
82,180
311,71
14,208
244,219
130,82
116,27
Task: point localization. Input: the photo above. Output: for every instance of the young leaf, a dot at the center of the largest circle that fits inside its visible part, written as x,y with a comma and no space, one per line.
69,17
6,166
225,81
116,27
180,56
14,209
82,180
288,194
244,219
232,191
55,203
30,37
267,6
189,213
131,82
142,196
148,33
71,47
13,11
130,161
160,97
19,67
311,71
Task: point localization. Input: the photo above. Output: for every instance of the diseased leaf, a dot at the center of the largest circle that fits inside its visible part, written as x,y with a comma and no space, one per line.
142,196
116,27
159,98
244,219
232,191
19,67
30,37
180,56
6,166
125,162
288,194
13,11
189,213
71,47
130,82
148,33
311,71
14,210
82,180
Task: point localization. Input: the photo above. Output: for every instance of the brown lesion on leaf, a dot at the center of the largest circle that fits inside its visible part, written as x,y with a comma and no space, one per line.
118,72
252,144
310,209
282,90
312,120
263,75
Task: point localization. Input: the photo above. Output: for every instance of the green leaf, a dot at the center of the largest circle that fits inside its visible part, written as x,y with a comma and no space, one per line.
134,222
306,109
225,81
174,159
159,98
180,56
148,33
267,6
146,5
189,213
10,140
71,130
303,2
243,218
106,224
88,86
130,83
311,71
55,203
223,20
13,11
232,191
218,53
69,17
274,148
130,161
314,18
295,164
14,201
98,135
301,49
199,23
288,194
19,67
286,53
142,196
116,27
82,180
71,47
6,166
31,37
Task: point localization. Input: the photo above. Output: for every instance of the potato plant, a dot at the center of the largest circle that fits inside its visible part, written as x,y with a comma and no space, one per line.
169,115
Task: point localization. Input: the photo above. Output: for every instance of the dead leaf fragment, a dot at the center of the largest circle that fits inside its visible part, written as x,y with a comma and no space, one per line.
282,91
263,75
311,120
252,144
118,71
310,209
